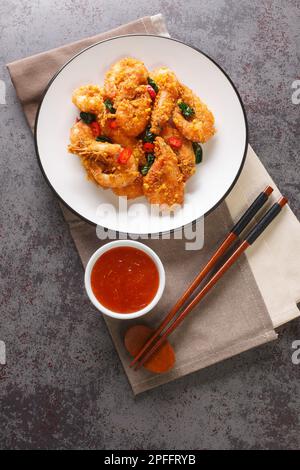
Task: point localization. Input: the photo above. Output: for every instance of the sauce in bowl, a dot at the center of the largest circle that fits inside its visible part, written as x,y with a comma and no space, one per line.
125,279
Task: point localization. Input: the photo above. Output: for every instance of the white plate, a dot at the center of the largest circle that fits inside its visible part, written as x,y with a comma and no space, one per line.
224,154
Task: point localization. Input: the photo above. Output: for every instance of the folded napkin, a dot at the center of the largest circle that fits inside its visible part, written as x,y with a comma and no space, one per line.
259,293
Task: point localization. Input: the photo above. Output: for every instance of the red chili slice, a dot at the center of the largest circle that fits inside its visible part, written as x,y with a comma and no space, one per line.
148,147
113,124
151,92
175,142
124,155
96,129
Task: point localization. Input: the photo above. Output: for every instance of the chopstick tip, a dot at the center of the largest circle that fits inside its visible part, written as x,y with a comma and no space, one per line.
282,201
268,190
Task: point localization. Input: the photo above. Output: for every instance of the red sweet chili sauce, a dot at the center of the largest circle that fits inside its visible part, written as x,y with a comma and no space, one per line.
124,279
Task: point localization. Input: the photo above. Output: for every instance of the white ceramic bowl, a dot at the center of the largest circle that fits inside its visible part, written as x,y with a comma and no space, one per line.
223,155
133,244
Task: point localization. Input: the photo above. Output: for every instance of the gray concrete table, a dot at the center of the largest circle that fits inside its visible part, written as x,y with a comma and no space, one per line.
63,386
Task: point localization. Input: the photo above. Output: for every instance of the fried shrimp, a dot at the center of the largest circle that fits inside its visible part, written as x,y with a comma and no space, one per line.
80,134
163,183
83,144
117,135
140,133
184,152
113,175
123,78
88,99
131,191
166,98
199,127
132,116
100,159
102,151
140,154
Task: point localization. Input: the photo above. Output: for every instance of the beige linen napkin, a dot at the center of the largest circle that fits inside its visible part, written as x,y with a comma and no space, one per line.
236,316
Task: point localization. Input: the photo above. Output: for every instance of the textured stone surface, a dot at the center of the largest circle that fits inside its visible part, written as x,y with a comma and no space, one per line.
63,386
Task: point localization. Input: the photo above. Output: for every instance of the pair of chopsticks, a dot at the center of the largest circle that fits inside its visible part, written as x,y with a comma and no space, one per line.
172,321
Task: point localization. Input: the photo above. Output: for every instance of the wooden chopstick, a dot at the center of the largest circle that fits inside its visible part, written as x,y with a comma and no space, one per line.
250,239
231,237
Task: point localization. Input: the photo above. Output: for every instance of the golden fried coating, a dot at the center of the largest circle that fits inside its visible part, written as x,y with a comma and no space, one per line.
100,159
133,115
102,151
123,78
132,190
124,107
80,134
139,154
163,183
118,136
113,176
88,99
198,128
185,154
166,98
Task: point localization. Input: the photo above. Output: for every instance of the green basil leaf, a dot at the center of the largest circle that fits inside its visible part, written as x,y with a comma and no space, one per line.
109,106
148,135
103,138
144,169
150,158
198,152
88,118
153,84
186,110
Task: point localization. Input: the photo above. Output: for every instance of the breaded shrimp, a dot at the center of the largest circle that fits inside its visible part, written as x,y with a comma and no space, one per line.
185,153
102,151
83,144
163,183
80,133
118,136
123,78
131,191
115,175
100,159
88,99
140,154
132,116
200,126
166,98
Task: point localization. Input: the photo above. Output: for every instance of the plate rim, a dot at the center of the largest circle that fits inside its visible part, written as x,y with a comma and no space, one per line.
140,35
